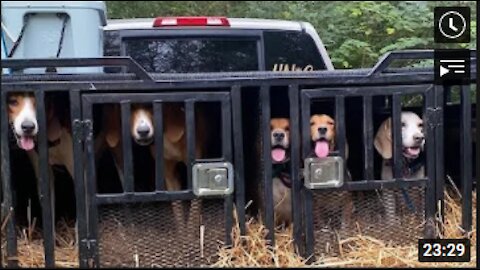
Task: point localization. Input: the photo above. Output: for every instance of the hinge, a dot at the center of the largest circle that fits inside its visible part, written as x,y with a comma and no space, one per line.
91,252
82,130
434,117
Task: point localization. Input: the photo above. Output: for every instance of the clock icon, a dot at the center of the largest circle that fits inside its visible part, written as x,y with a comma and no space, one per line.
452,24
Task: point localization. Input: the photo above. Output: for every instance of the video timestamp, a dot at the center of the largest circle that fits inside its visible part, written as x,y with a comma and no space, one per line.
443,250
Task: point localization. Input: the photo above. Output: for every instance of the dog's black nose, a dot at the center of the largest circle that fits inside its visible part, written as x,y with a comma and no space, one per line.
278,136
322,130
143,130
418,138
28,126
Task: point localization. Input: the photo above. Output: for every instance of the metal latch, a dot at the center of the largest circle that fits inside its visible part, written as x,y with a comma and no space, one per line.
324,172
212,179
82,130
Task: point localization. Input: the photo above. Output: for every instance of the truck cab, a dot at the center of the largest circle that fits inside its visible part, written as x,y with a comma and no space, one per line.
216,44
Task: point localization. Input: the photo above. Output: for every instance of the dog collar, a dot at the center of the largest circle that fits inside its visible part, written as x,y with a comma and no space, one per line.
279,171
53,143
415,165
285,178
410,167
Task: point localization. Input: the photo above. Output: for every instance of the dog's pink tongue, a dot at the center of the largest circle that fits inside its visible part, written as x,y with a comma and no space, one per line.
278,154
27,143
321,149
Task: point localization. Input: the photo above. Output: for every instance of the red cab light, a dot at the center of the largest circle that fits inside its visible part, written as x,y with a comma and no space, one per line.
190,21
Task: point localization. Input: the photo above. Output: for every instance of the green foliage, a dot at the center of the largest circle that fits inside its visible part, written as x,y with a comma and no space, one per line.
356,33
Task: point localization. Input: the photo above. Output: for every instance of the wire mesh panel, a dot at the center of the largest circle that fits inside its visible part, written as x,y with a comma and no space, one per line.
335,220
145,235
393,203
146,222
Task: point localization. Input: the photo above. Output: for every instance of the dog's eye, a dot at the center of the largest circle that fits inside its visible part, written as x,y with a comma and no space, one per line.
403,124
12,102
420,125
311,123
330,123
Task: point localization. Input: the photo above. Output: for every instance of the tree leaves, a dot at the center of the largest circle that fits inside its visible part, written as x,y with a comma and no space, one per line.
356,33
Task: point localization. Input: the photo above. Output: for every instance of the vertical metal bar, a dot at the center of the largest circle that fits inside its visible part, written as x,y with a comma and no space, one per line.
1,210
306,140
293,92
7,204
307,194
158,123
127,147
236,101
190,129
91,180
308,216
261,53
79,179
226,129
340,124
367,138
439,151
46,184
228,204
227,155
397,136
267,163
430,203
448,94
466,157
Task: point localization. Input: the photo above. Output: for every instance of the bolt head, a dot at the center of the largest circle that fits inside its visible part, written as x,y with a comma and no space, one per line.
218,178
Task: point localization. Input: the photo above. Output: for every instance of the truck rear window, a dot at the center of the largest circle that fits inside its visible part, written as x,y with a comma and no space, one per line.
291,51
192,55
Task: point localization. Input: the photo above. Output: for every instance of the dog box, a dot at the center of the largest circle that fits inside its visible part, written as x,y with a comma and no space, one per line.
51,29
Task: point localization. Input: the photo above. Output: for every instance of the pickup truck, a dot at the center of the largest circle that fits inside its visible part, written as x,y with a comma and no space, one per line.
224,46
221,44
216,44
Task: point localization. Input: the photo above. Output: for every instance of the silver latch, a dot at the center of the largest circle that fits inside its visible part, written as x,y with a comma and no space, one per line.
212,179
323,172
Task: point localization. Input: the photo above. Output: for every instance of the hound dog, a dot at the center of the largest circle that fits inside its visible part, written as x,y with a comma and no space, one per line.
323,135
413,141
22,118
280,143
142,131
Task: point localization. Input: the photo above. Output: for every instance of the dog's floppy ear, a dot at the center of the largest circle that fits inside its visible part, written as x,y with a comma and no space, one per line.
54,127
174,119
383,139
113,124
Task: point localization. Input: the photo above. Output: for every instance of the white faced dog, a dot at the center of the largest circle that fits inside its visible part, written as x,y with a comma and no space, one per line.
413,140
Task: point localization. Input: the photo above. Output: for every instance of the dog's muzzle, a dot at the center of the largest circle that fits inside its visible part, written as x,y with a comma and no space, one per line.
143,135
278,136
413,152
26,141
144,141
